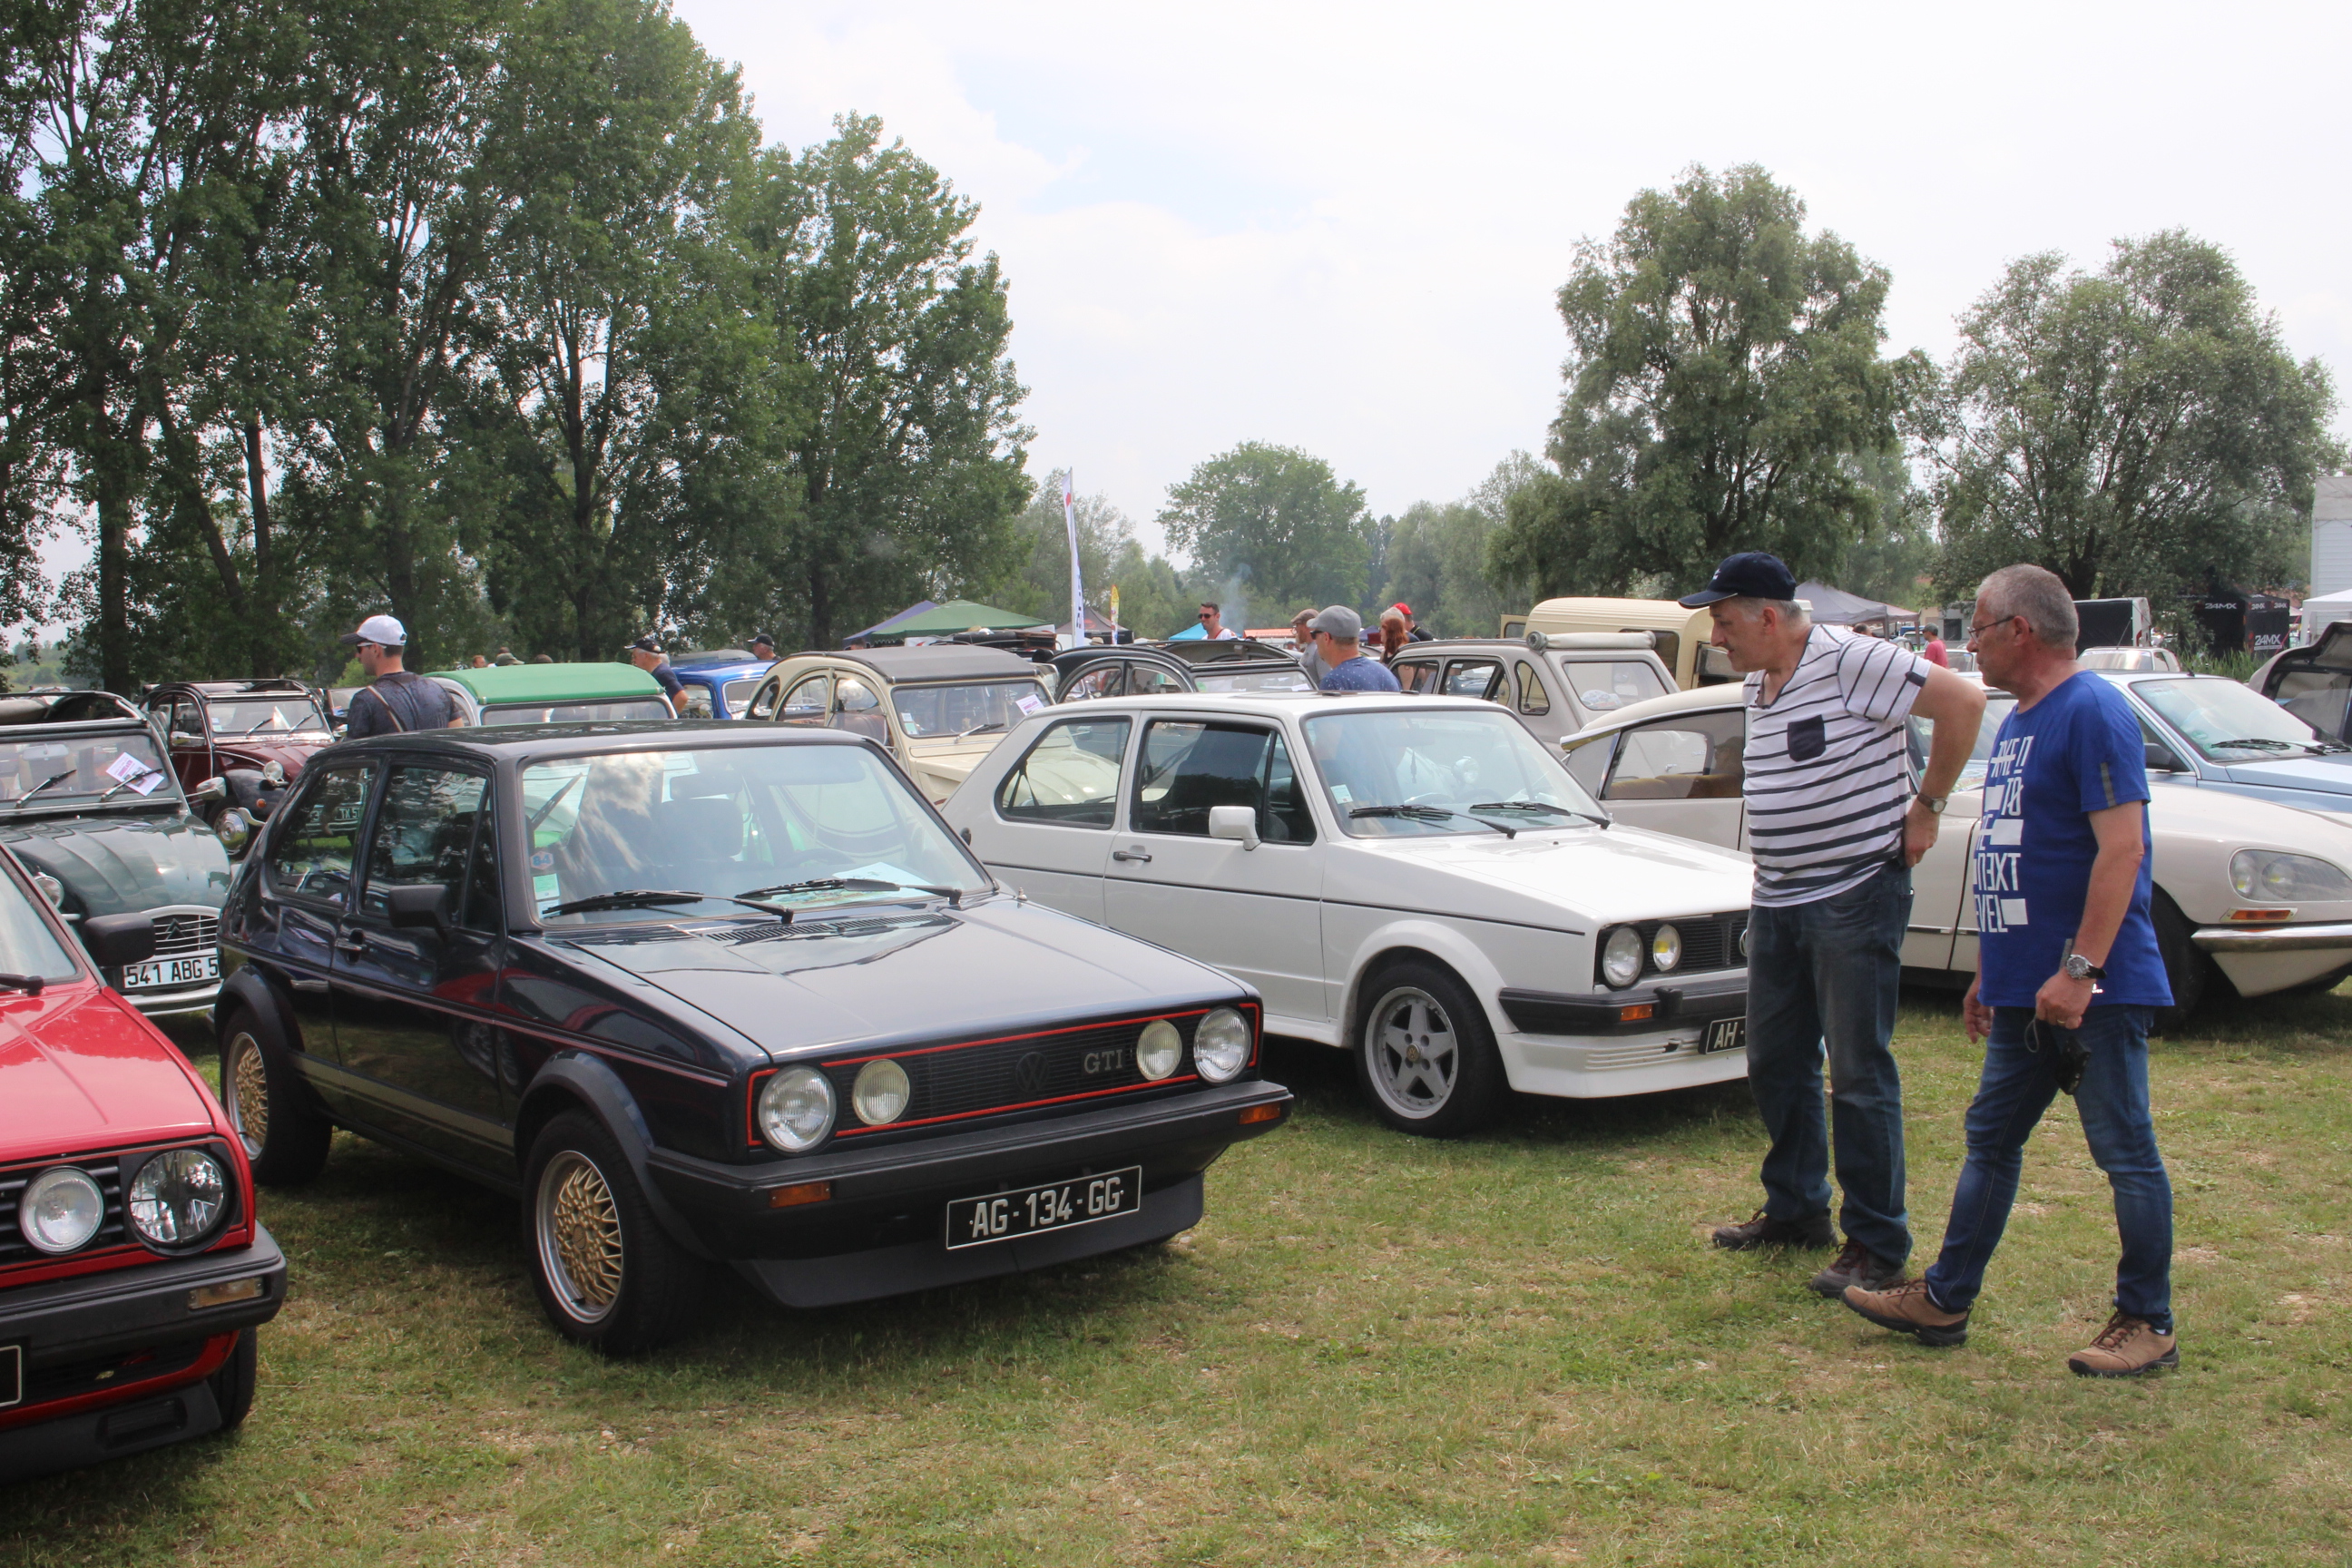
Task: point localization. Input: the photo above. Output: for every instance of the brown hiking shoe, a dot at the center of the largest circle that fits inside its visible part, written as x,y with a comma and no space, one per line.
1908,1309
2127,1347
1856,1265
1761,1229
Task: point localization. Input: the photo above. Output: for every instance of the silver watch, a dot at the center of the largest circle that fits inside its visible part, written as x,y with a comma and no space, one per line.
2080,968
1934,802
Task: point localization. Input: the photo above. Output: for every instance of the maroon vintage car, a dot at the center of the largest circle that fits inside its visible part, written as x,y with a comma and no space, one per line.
254,735
133,1274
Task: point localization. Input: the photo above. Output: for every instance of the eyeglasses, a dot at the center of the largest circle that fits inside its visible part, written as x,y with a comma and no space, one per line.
1979,629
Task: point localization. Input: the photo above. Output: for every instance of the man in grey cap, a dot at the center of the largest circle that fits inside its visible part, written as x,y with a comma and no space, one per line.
1338,634
394,700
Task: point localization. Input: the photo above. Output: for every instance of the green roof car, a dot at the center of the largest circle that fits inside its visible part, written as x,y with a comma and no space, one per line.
554,693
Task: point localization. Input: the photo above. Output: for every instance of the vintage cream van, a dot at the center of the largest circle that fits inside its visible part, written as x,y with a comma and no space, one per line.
1678,636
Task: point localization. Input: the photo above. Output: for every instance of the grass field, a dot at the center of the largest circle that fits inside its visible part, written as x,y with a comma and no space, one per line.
1516,1349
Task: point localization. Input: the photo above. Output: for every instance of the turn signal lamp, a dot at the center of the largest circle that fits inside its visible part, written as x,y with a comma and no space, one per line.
2262,915
1257,1113
799,1193
1633,1013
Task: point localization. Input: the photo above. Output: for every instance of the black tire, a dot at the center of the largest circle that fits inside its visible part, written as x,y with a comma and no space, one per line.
284,1132
1425,1057
233,1385
2187,971
608,1276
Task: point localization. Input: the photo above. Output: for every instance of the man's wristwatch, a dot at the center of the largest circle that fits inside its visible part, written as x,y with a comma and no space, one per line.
1934,802
2080,968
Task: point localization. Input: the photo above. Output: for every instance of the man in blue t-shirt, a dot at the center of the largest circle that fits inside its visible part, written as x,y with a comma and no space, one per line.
1338,633
2068,977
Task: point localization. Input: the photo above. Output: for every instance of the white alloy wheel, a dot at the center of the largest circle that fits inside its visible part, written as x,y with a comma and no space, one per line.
1414,1058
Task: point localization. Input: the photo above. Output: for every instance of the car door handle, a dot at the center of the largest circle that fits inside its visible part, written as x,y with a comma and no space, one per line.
1143,855
350,944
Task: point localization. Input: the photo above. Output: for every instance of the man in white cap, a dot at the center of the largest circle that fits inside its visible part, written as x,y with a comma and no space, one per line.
392,701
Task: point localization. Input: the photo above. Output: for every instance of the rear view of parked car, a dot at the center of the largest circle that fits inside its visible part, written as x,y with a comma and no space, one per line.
554,693
133,1274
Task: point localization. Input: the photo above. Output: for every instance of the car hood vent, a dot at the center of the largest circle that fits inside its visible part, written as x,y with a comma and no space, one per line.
810,930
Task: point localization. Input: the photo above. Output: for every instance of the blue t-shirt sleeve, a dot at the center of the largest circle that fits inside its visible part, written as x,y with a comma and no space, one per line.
667,678
2110,757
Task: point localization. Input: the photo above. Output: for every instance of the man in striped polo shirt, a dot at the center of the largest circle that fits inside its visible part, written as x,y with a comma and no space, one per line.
1835,827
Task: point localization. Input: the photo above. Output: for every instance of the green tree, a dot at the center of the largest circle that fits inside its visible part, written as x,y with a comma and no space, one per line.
1154,600
1035,580
905,475
1275,526
2138,430
1724,367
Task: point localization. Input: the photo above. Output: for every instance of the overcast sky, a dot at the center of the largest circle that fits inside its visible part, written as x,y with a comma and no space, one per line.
1342,227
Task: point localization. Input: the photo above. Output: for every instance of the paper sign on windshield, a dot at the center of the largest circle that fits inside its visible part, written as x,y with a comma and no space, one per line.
1030,706
129,771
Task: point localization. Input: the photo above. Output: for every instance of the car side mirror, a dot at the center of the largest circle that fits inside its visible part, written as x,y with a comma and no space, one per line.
211,789
1239,822
114,940
181,738
416,907
2160,759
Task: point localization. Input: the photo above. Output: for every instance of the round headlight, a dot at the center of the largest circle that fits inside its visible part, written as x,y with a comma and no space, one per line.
796,1110
881,1092
1666,949
1221,1045
2282,878
1620,956
234,828
177,1197
61,1209
1159,1049
1743,943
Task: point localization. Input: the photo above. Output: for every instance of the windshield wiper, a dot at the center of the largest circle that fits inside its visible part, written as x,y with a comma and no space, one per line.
954,896
2254,744
553,802
1538,806
983,729
53,778
652,897
1430,813
30,985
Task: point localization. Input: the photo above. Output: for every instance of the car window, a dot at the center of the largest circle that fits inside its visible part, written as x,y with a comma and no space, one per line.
2226,721
739,692
186,718
1151,680
1188,766
265,715
1605,685
1587,765
1263,678
1419,771
1471,678
810,701
1416,676
2317,697
430,828
1691,757
1533,698
1713,666
1102,680
693,699
312,858
38,772
976,708
1070,776
608,710
857,710
27,945
1998,705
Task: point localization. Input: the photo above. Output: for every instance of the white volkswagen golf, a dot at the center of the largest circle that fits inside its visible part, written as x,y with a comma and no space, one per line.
1416,880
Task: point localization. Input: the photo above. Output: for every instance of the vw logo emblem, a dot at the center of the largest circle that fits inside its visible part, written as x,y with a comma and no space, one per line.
1029,1072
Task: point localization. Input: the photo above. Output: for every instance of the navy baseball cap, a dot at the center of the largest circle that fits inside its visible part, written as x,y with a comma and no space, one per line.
1752,575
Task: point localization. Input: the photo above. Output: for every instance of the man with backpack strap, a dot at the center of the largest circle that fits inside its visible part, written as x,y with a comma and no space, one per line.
393,701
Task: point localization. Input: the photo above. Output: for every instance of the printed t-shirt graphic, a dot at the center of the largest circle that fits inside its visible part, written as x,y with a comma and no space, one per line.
1828,767
2078,751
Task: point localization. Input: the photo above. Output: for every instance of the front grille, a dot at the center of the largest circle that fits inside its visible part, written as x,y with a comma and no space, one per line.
13,1249
956,1082
184,935
1709,942
117,1370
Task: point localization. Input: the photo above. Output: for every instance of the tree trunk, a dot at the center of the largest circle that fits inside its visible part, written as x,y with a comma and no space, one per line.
820,610
114,567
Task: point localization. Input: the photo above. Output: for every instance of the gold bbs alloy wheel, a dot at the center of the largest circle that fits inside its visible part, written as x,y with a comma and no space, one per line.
578,1228
248,1094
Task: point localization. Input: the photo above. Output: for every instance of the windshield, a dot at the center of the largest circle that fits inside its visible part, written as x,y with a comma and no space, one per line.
27,945
731,821
577,712
1998,707
125,766
928,712
262,715
1264,678
2228,722
1601,686
1449,761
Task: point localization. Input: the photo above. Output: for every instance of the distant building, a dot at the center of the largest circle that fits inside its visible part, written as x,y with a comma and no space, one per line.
2331,536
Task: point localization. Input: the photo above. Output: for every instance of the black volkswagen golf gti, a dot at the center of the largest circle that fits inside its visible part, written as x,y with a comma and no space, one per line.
701,994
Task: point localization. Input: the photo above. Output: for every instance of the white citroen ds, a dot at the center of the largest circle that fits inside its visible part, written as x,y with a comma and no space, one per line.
1415,880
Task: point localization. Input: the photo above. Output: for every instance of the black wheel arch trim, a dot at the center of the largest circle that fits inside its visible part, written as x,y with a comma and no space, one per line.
577,1078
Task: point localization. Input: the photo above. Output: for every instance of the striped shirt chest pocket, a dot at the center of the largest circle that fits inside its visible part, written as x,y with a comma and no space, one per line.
1807,738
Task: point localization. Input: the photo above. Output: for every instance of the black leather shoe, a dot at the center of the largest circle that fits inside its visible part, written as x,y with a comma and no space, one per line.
1763,1230
1856,1265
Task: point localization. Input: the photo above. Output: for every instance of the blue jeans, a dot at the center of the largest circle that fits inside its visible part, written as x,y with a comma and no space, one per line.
1828,973
2016,1088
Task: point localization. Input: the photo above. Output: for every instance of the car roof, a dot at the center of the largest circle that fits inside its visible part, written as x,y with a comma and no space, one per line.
497,742
1223,650
722,673
39,707
1273,704
935,661
276,685
531,683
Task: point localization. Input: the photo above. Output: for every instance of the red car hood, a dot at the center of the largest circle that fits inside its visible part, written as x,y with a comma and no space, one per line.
256,752
79,1072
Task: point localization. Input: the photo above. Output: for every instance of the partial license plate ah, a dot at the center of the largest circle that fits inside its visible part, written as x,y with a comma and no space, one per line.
162,974
1056,1206
1723,1034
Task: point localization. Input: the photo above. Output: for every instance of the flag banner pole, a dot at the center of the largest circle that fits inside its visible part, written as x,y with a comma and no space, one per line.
1078,636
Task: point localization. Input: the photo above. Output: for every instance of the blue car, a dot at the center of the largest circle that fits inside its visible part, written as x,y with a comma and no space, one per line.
718,682
2216,733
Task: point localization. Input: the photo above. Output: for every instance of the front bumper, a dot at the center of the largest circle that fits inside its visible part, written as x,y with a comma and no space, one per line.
2333,937
881,1229
196,1000
66,1327
1696,1002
